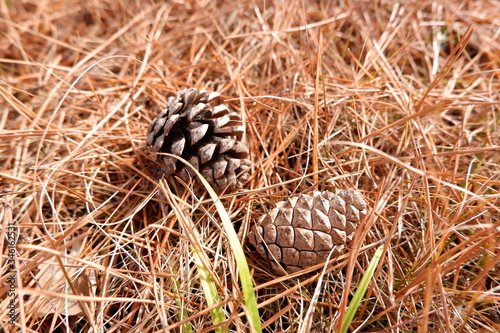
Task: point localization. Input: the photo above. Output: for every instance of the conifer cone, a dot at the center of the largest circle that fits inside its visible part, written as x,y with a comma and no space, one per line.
203,132
302,231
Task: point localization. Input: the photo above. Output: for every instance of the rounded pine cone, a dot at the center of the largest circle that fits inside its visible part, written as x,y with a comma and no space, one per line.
302,231
206,136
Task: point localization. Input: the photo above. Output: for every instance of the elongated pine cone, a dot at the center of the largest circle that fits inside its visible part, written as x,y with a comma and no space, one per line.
302,231
206,136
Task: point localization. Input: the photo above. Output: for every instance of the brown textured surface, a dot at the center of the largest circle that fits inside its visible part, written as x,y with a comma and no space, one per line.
302,231
204,135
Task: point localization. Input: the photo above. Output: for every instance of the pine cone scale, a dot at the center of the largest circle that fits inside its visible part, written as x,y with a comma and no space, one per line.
232,164
196,132
225,145
219,168
304,239
205,152
270,233
177,146
169,164
337,219
322,241
291,256
220,110
320,221
195,111
285,236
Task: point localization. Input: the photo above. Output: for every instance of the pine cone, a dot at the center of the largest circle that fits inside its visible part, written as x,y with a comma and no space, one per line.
302,231
206,136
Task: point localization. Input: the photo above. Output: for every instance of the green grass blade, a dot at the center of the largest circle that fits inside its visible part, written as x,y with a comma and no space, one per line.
182,313
241,261
206,280
210,289
360,292
244,272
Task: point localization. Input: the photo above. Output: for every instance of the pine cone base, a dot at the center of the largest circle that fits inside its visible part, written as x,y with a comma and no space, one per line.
302,231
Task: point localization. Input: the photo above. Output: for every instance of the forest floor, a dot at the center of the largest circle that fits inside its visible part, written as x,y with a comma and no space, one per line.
397,99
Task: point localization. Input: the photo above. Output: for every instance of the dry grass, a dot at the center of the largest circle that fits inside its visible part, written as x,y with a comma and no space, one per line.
394,98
